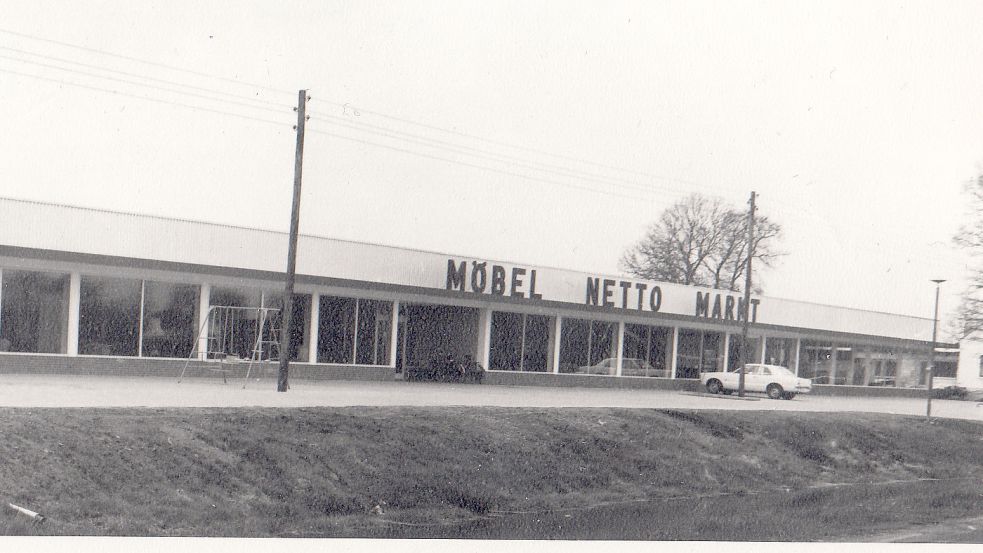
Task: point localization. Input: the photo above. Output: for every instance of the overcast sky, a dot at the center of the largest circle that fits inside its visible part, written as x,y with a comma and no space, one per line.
551,133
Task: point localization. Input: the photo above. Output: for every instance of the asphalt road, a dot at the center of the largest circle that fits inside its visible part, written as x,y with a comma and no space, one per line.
95,391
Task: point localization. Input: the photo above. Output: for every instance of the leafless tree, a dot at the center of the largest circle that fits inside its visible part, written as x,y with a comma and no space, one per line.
969,317
701,241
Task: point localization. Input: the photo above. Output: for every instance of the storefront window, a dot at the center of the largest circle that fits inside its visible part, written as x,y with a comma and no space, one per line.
647,350
699,351
816,361
34,314
374,328
233,331
109,316
780,351
753,351
299,322
519,342
169,321
588,347
354,331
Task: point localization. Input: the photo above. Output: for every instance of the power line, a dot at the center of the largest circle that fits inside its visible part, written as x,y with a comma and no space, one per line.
148,62
508,145
343,137
476,166
486,154
715,190
139,76
139,97
136,83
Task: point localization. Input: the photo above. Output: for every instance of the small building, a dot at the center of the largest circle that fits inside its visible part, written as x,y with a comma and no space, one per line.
92,291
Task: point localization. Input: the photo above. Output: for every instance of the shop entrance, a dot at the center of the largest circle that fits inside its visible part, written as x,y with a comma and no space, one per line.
430,333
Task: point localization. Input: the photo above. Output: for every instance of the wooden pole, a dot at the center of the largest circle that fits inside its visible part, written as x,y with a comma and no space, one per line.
288,292
747,296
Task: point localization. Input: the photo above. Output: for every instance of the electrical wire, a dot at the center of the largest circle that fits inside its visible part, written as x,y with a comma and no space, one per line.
485,154
508,145
137,75
148,62
343,137
139,97
476,166
713,189
136,83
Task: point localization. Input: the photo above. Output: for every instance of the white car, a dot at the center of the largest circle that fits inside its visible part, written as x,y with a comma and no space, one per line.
778,382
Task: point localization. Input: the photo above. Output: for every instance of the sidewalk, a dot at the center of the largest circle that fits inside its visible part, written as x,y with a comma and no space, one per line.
97,391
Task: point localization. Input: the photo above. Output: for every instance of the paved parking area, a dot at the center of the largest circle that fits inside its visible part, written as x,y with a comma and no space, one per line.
96,391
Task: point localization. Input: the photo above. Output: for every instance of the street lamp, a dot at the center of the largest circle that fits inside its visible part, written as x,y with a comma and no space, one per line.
931,353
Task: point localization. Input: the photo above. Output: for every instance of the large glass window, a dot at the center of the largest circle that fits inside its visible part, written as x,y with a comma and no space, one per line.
169,319
647,350
780,351
374,329
109,316
753,352
699,351
34,314
587,347
233,332
946,364
816,361
354,331
519,342
299,323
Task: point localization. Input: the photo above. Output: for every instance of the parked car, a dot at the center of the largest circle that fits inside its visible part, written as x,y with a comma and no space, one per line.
640,367
778,382
630,366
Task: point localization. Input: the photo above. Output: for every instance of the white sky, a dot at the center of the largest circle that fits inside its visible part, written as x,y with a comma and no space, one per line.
858,125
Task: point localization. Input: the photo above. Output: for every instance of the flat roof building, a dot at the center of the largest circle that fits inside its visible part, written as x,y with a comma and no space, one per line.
87,290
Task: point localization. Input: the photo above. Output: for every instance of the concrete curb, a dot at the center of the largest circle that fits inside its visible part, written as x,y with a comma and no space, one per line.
720,396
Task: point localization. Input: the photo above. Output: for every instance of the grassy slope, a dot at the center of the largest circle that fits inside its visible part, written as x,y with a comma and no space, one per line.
261,472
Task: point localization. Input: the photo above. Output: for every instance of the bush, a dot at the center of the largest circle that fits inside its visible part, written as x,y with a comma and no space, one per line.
950,392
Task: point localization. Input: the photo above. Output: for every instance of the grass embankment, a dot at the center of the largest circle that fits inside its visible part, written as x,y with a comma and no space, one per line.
482,472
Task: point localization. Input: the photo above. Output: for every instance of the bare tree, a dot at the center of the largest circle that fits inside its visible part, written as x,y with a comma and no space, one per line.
701,241
969,317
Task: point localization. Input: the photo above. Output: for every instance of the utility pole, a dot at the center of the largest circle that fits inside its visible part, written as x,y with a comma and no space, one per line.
747,295
931,354
288,293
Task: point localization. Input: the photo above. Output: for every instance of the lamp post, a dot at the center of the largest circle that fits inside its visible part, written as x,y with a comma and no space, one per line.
931,353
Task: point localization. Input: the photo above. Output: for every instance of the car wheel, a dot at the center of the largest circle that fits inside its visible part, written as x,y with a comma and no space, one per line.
714,386
775,391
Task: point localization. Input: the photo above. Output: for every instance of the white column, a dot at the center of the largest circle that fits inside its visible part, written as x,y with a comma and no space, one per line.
204,299
394,335
621,348
358,304
74,296
726,351
314,322
555,344
764,343
675,351
798,347
143,293
484,336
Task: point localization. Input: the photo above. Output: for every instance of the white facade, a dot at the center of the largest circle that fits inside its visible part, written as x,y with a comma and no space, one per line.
555,311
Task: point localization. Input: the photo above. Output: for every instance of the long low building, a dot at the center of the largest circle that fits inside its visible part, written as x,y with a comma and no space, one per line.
92,291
